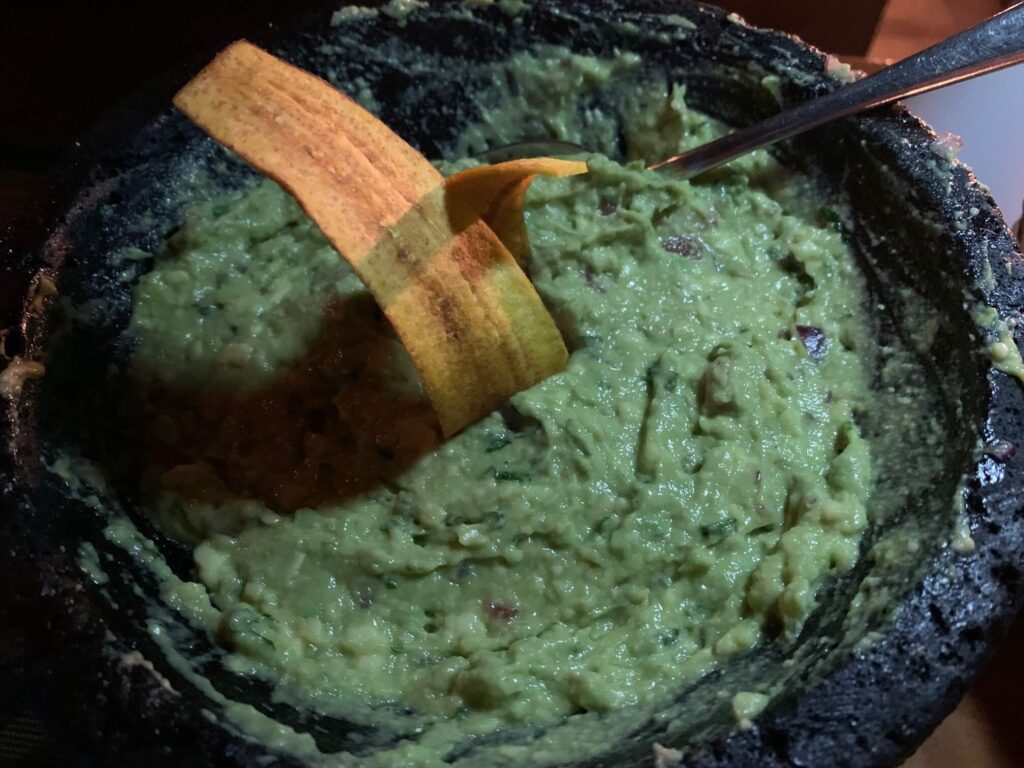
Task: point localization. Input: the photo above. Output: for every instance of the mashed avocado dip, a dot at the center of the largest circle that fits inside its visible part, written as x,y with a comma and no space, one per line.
677,495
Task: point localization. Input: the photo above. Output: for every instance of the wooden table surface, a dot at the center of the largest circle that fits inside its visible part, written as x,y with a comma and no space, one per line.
38,122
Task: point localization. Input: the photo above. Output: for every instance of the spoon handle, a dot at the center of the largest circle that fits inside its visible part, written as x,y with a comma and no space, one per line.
993,44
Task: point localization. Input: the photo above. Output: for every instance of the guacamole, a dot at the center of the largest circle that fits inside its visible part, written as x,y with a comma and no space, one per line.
677,495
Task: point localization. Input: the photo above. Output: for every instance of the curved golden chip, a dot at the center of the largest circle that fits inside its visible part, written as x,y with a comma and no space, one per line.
497,194
473,325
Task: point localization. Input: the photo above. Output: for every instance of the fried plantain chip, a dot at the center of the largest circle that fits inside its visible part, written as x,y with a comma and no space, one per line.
472,322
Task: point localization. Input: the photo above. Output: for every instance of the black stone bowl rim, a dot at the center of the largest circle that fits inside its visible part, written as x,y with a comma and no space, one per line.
873,710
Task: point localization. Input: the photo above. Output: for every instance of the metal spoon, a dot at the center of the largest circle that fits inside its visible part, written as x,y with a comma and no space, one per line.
991,45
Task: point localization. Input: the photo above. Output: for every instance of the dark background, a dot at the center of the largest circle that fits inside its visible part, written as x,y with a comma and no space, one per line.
61,65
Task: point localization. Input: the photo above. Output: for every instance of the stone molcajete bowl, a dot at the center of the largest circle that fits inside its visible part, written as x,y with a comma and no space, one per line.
891,646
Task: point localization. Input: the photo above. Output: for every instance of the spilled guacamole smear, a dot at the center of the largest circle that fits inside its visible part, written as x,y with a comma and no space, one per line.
676,496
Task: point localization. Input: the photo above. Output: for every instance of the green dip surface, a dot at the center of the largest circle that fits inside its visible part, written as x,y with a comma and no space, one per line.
679,493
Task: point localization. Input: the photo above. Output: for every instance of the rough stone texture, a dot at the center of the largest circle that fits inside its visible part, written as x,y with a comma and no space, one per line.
843,704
